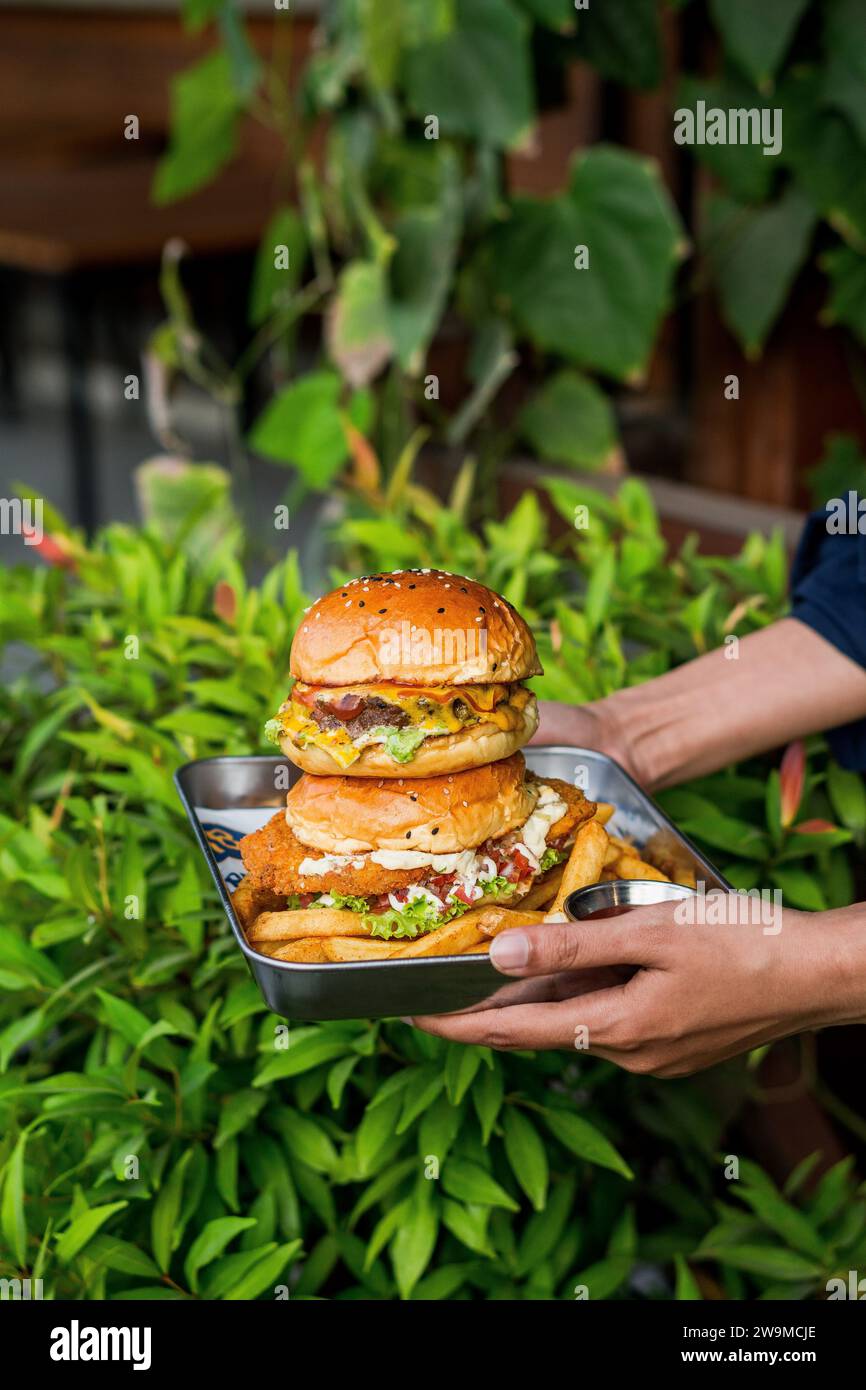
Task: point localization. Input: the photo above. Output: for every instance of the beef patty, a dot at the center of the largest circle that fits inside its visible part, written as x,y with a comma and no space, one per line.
375,712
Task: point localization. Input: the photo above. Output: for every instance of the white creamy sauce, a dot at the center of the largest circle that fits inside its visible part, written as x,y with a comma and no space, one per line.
329,864
460,862
549,808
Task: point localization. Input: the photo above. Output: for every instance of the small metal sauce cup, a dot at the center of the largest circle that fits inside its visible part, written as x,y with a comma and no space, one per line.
622,895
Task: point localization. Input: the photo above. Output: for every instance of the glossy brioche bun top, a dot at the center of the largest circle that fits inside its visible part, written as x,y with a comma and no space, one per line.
418,627
434,815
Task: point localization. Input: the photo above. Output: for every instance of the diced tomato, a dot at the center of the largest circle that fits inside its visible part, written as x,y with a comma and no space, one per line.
524,868
463,895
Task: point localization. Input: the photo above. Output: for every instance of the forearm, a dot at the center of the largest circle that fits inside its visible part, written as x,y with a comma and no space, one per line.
784,683
838,966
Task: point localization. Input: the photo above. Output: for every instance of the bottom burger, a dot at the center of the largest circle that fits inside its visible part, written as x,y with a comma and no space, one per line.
402,858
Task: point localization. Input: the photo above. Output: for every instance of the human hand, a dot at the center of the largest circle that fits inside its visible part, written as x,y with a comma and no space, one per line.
587,726
702,993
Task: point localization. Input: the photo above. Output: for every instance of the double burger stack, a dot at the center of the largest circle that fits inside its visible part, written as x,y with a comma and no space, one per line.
406,716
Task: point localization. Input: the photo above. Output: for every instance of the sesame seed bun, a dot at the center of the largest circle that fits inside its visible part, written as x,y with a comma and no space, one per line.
418,627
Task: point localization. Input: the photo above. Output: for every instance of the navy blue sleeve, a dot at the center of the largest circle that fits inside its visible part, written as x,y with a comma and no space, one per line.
828,593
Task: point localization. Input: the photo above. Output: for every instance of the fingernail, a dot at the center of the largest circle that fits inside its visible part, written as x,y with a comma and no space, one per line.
410,1021
509,950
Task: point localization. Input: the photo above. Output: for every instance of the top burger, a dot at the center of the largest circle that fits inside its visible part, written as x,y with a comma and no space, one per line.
408,674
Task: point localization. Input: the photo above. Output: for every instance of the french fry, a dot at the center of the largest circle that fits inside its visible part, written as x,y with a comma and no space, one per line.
623,842
543,893
603,812
631,866
611,854
356,948
306,951
248,901
497,919
451,940
306,921
585,863
479,950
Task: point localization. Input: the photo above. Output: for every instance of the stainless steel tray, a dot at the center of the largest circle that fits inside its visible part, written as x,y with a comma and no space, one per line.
387,989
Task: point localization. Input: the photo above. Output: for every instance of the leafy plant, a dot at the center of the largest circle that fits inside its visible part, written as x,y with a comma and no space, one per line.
400,234
165,1136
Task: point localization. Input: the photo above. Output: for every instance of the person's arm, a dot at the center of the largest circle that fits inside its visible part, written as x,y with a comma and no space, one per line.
783,683
702,993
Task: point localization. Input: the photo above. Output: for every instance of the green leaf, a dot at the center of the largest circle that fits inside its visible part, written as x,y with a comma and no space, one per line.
621,39
302,1056
359,333
847,796
469,1225
569,420
746,173
767,1260
264,1274
755,255
785,1220
800,888
487,1095
236,1114
79,1231
606,1276
476,79
279,263
12,1216
413,1245
846,271
605,316
164,1230
469,1182
687,1288
204,119
845,70
114,1253
307,1141
301,426
822,149
757,37
461,1066
374,1131
438,1129
526,1154
210,1242
584,1140
599,588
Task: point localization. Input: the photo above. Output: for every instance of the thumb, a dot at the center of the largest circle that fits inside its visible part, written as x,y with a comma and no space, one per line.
559,944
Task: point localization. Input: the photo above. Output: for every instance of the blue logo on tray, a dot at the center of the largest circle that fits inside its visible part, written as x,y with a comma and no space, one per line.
224,843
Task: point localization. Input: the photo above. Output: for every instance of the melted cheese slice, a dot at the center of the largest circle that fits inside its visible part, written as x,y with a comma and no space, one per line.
490,703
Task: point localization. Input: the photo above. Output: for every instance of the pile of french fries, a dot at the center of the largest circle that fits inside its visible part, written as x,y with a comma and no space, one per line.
596,856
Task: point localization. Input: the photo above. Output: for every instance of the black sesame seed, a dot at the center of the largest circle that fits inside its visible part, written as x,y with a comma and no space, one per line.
413,796
494,665
360,603
435,830
463,589
480,609
408,834
440,610
412,586
383,610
